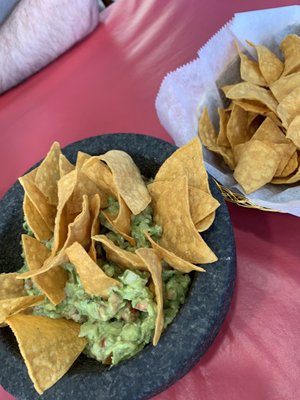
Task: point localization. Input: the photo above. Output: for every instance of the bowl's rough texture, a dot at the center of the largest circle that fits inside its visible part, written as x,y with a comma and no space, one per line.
182,344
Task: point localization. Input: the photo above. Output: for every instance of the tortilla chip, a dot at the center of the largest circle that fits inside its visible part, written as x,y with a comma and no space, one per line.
290,46
256,166
289,107
246,90
207,135
209,139
153,263
49,347
206,223
293,131
171,259
270,132
222,139
119,256
14,306
252,106
179,233
291,166
128,180
269,64
99,173
35,221
86,268
38,199
295,177
51,283
237,131
283,86
95,205
64,166
11,287
83,186
48,174
250,72
81,159
127,237
285,152
186,161
201,203
78,231
66,187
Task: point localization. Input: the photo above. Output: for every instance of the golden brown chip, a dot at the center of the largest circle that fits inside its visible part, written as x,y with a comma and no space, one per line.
222,139
270,132
290,46
285,152
14,306
51,283
293,178
291,166
283,86
171,259
248,91
122,221
275,119
119,256
153,263
11,287
48,174
206,223
289,107
99,173
66,187
64,166
128,180
250,71
127,237
237,131
293,131
201,203
81,159
186,161
100,284
35,221
78,231
49,347
179,233
38,199
83,186
208,137
252,106
257,164
95,205
269,64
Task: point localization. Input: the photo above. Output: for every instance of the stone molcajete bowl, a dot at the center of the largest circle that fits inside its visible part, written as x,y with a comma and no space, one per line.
182,344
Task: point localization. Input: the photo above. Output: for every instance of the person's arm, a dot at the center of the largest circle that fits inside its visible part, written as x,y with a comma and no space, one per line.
38,31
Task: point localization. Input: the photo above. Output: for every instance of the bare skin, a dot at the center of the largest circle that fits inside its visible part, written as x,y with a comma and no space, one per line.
38,31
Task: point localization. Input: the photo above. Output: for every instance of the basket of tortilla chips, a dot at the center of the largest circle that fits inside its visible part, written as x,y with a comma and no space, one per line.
243,100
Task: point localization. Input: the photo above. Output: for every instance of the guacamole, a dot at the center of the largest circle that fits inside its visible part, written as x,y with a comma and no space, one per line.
119,327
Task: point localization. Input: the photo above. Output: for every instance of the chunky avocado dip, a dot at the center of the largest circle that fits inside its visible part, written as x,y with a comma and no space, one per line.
118,327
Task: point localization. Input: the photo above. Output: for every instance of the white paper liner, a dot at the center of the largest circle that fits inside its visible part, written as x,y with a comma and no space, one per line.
185,91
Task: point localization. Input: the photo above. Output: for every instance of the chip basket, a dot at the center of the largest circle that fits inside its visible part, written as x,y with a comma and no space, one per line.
240,200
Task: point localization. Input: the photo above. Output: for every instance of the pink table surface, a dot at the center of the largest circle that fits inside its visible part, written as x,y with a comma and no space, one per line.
108,83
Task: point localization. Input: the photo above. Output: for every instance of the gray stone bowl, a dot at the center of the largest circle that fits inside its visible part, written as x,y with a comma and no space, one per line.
182,344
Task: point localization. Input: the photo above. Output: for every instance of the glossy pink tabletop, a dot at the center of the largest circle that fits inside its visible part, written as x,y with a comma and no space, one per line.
108,83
